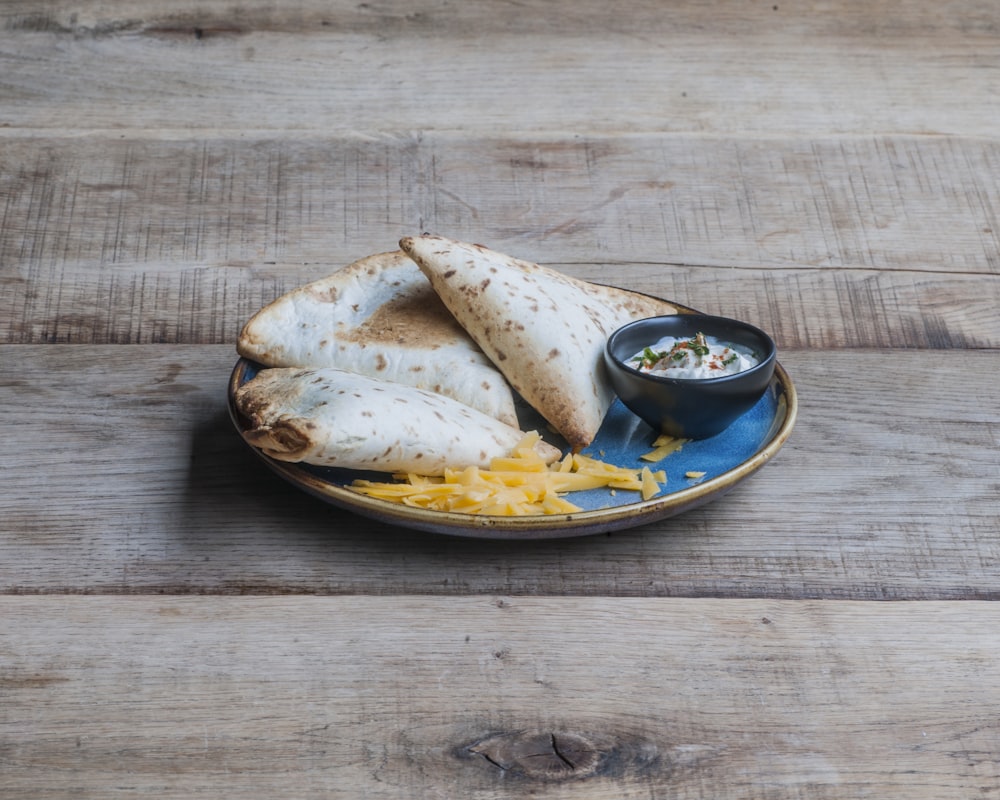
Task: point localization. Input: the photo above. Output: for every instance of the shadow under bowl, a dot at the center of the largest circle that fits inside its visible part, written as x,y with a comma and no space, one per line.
689,408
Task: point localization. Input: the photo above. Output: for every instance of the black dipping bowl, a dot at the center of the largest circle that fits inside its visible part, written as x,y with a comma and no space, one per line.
689,408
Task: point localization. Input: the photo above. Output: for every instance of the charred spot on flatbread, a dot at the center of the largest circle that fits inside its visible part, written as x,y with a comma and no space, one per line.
418,321
284,439
323,293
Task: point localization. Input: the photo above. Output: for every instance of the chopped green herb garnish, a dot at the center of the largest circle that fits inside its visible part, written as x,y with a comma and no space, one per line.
648,358
699,345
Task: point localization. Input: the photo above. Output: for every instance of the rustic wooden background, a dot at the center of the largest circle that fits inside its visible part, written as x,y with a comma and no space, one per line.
176,622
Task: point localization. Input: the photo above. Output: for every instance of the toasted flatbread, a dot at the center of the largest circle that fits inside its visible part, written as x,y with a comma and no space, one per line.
378,317
544,330
335,418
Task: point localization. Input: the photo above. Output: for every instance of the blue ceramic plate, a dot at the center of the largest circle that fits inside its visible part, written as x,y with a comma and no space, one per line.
726,459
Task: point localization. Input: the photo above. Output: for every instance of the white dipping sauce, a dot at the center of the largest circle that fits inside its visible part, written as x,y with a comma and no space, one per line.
697,357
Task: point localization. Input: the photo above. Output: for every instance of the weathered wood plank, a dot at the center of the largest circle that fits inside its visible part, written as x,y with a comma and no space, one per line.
497,697
824,169
147,241
590,66
123,474
864,20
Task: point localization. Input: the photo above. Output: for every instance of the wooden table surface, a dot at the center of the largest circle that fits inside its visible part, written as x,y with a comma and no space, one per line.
175,621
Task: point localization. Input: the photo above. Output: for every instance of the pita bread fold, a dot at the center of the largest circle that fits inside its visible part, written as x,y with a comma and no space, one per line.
335,418
544,330
378,317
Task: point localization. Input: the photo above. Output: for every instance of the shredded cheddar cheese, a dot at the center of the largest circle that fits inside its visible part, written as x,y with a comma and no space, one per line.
663,446
517,485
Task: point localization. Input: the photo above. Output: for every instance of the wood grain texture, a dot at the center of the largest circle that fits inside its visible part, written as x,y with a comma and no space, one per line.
497,698
868,242
925,69
175,621
123,474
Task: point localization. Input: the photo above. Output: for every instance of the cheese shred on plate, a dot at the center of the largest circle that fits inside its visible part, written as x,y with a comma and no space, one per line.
517,485
663,447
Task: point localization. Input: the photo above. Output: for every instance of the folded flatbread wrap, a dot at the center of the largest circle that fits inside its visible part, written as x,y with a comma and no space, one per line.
336,418
378,317
544,330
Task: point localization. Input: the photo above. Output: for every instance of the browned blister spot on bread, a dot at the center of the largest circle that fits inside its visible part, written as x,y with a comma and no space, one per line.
418,321
324,294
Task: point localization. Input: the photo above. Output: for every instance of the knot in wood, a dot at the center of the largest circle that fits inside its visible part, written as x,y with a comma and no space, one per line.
547,756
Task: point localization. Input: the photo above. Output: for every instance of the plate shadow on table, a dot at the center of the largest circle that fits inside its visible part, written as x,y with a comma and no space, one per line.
244,529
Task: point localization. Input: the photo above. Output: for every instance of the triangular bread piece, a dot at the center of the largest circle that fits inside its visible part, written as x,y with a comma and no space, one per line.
378,317
335,418
544,330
